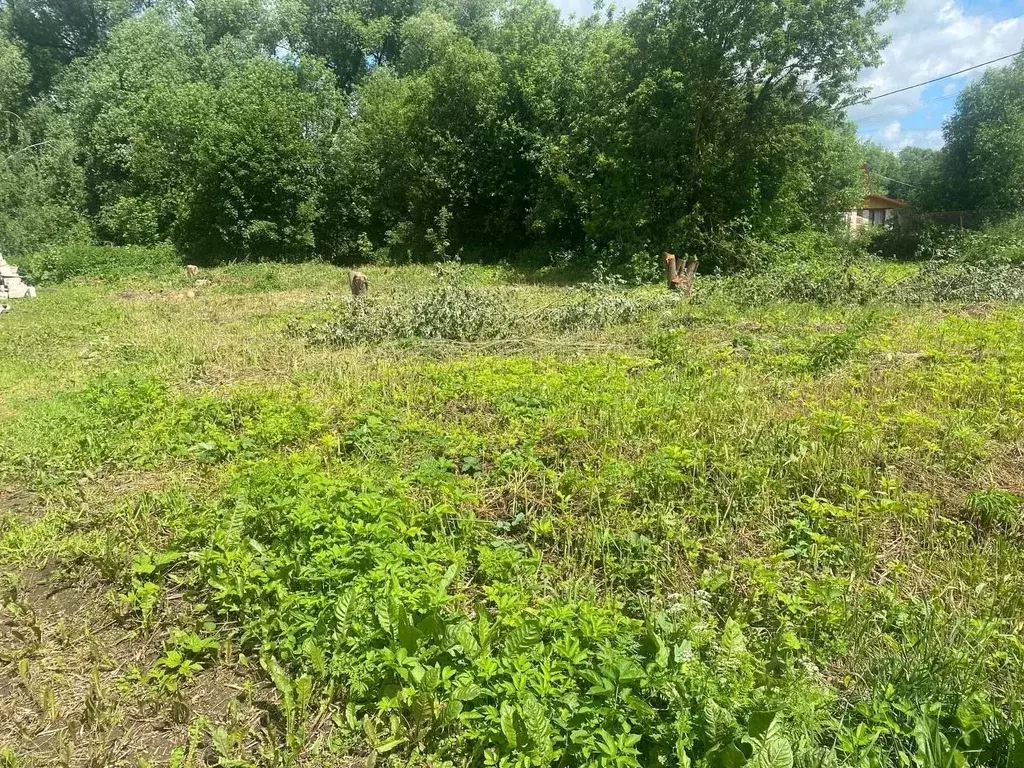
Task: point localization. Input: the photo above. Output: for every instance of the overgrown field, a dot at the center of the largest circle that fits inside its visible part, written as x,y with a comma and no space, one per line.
487,519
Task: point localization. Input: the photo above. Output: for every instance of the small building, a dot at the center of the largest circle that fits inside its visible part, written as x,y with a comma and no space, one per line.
876,209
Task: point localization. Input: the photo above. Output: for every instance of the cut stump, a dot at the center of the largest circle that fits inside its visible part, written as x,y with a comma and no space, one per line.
358,283
680,274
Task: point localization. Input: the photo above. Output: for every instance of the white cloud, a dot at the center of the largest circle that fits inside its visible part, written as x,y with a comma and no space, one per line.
929,39
896,137
579,7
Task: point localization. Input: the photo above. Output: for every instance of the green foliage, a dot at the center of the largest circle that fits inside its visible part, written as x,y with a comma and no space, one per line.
822,281
915,238
804,247
455,311
449,311
58,263
993,507
220,155
780,535
996,247
14,78
57,32
983,165
595,310
370,132
363,321
42,191
837,348
256,168
998,244
938,281
521,679
913,175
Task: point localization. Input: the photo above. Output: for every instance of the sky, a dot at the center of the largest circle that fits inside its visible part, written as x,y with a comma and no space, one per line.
929,39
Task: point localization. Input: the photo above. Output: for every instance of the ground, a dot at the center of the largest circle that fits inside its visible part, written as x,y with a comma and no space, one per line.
244,522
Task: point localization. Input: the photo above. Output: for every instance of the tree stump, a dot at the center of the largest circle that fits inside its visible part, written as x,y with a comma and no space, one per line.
680,274
358,283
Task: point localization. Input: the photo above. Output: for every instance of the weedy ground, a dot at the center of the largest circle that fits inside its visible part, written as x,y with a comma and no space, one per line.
487,519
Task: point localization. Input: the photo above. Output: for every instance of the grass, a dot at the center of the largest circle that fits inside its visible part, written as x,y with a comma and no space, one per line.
610,529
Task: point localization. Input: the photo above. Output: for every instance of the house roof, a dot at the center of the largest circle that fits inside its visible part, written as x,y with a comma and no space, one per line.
891,202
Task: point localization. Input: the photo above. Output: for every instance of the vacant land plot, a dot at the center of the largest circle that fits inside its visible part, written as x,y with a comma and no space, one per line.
478,520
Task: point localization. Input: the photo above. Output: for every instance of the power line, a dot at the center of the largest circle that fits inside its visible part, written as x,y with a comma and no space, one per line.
905,109
936,79
895,181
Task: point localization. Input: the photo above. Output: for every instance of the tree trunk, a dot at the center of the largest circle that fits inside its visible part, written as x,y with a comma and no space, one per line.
669,260
358,283
680,275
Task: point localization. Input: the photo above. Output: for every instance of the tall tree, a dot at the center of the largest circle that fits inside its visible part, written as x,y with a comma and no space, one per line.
220,125
919,172
984,156
56,32
689,108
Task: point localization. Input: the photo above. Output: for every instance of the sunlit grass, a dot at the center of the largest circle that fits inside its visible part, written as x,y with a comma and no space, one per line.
721,509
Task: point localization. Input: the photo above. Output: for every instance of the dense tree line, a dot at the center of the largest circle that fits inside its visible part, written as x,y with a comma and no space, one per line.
981,167
360,129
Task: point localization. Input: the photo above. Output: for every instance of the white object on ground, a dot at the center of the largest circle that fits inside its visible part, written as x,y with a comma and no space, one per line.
12,286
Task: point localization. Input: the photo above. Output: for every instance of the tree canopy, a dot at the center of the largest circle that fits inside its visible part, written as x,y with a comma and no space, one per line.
356,129
984,153
980,170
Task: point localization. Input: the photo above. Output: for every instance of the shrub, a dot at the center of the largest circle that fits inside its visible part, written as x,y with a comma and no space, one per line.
997,244
596,309
939,281
804,247
58,263
451,310
458,312
820,281
363,321
912,238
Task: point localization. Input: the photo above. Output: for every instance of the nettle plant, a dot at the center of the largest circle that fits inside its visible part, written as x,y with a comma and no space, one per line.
452,310
440,633
458,312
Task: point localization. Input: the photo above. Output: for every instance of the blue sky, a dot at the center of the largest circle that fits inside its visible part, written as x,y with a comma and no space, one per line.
930,38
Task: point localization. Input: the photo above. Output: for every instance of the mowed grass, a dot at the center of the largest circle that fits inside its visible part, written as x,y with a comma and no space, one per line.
620,529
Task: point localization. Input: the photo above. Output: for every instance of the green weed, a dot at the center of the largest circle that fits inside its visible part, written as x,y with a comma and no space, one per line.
63,262
724,534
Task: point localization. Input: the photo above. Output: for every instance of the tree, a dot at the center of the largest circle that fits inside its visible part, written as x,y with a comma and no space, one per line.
417,152
216,148
883,169
983,167
56,32
256,167
41,186
920,170
42,189
418,128
687,110
351,35
15,75
106,97
911,175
